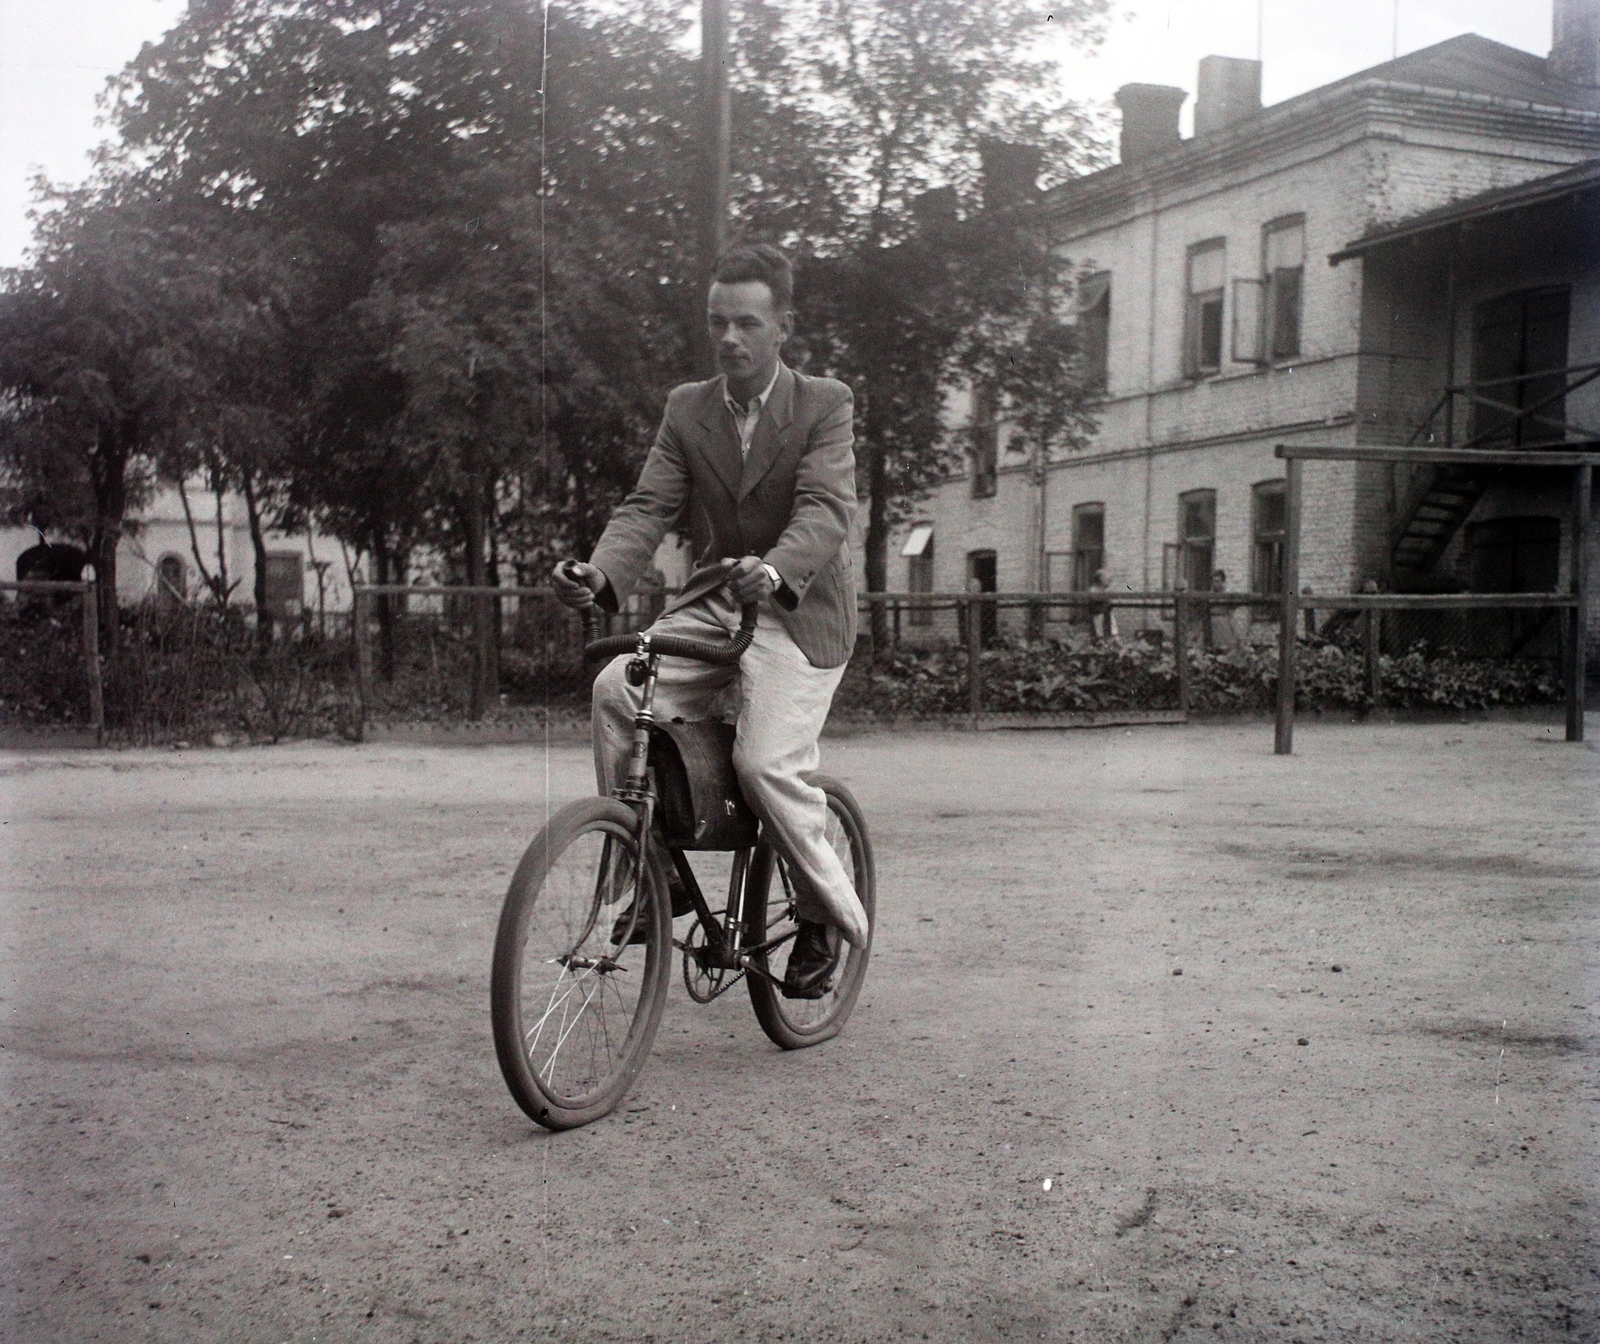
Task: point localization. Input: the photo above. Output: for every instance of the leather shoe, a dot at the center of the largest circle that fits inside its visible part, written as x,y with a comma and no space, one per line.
812,961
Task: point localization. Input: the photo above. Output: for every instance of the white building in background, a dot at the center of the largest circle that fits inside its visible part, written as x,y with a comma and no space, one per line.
1218,329
307,575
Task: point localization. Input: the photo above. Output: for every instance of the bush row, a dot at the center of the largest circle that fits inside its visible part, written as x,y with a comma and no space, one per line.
1051,675
179,672
197,671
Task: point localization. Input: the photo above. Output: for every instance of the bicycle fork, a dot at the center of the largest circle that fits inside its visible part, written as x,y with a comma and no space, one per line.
636,790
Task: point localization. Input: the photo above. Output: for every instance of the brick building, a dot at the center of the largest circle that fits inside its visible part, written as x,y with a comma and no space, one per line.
1222,329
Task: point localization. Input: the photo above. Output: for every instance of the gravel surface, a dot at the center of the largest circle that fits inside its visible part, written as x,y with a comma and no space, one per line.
250,1093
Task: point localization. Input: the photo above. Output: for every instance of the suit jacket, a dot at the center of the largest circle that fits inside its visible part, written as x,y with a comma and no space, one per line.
790,501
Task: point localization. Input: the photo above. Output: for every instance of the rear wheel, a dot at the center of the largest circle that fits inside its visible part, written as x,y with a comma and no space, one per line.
574,1014
796,1023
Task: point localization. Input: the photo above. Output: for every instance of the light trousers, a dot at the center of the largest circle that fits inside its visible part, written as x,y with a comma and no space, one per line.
778,702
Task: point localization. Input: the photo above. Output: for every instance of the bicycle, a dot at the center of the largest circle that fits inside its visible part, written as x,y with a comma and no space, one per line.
576,996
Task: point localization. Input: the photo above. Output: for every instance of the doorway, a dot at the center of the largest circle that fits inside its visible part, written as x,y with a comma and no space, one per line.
982,577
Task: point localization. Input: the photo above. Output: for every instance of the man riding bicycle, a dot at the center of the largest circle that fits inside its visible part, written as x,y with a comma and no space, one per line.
758,463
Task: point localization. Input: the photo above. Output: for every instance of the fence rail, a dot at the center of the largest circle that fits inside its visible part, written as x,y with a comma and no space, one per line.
1574,602
1180,621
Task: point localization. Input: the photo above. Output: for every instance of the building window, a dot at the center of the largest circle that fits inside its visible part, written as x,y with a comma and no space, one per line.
1094,328
172,580
1268,527
1515,337
286,584
1202,322
1188,560
1088,545
918,552
1283,247
985,443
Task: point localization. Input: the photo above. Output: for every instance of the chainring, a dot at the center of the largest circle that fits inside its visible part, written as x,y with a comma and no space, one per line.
704,982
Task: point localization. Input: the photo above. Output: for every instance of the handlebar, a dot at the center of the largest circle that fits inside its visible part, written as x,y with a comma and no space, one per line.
724,654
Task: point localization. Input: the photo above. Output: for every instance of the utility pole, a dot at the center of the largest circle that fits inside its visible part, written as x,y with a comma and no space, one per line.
716,119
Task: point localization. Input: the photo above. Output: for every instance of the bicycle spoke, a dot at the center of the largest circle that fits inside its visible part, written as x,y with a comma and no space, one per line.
573,1013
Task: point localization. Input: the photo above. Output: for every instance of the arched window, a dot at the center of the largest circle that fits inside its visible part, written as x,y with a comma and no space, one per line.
172,579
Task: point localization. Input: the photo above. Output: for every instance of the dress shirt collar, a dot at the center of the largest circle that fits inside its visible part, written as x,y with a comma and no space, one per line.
756,404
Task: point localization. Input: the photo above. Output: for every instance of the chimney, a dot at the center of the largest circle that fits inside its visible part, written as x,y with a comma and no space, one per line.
1010,173
1575,48
1230,90
1149,119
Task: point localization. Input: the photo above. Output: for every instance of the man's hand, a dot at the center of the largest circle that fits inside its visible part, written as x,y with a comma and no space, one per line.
576,584
748,579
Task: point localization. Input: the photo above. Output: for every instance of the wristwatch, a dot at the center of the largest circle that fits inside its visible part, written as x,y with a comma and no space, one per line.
772,573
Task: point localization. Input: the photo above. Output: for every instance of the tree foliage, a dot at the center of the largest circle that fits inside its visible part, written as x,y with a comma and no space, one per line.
421,271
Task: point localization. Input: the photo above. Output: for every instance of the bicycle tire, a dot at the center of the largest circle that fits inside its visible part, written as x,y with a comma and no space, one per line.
795,1024
554,967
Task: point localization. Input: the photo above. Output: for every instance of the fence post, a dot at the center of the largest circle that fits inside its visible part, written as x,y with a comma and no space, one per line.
974,634
91,660
477,662
1373,641
1180,644
358,624
1578,623
1288,623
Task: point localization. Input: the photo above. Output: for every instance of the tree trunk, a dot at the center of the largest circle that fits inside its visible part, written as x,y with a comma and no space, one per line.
496,609
385,566
265,619
103,551
472,512
218,491
216,584
876,542
108,472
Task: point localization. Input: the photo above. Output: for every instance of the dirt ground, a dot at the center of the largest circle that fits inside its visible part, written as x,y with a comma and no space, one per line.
250,1092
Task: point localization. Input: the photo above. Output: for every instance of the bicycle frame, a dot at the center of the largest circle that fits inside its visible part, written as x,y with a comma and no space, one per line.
725,947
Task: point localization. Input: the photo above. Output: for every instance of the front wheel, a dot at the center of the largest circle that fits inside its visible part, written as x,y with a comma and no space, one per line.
769,903
574,1013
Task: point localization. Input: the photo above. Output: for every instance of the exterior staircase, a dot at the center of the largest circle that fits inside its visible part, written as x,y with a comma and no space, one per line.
1440,509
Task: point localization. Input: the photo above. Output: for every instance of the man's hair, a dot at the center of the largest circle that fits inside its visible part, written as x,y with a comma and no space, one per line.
762,262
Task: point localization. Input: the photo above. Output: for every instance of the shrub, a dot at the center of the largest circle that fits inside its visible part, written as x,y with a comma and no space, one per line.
1075,673
43,678
187,671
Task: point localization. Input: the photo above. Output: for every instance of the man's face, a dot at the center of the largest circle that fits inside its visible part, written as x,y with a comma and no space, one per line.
746,329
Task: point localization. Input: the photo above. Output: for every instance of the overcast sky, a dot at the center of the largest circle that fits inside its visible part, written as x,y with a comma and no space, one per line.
55,56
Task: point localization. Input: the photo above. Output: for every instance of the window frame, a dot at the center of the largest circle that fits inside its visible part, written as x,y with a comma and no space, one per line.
1189,548
1266,544
919,579
1082,572
1274,280
1194,310
168,590
1094,321
984,449
1499,428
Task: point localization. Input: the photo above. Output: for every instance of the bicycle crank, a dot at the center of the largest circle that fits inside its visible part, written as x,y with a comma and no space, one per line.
703,974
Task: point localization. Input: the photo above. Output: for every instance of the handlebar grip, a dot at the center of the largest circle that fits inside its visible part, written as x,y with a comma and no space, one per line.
590,613
677,646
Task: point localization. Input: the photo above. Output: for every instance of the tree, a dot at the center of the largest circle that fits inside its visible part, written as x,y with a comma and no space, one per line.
95,355
901,99
483,320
